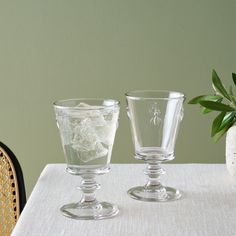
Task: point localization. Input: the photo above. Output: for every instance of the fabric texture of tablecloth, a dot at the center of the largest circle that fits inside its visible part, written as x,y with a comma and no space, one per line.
208,205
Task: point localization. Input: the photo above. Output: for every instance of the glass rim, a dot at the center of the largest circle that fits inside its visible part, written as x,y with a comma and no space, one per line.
131,95
58,103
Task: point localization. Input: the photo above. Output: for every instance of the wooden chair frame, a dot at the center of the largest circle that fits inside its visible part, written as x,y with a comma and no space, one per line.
12,190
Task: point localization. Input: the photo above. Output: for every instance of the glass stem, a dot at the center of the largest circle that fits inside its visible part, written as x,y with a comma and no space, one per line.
154,172
88,186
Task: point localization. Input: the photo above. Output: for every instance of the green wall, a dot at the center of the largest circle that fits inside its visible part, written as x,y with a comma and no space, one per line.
53,49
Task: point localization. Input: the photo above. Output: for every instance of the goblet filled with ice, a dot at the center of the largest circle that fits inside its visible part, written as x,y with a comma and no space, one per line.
87,128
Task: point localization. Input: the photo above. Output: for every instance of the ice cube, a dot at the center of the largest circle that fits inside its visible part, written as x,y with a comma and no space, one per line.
106,132
82,104
90,132
86,142
108,102
87,106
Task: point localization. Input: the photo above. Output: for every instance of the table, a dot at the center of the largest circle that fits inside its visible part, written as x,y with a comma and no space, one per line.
208,206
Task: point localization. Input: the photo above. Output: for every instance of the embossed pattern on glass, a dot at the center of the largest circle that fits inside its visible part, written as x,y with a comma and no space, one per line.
155,113
154,118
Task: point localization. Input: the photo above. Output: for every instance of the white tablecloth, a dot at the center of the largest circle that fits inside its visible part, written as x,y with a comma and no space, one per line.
208,206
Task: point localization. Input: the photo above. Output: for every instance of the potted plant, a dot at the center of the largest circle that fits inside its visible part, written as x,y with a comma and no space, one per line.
223,102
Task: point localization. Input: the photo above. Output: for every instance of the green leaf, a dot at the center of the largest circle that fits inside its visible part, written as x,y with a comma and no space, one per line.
216,106
227,119
219,134
218,86
231,94
206,110
234,78
217,123
204,98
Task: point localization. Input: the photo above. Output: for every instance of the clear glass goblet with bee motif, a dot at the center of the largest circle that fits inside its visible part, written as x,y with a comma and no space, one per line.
154,117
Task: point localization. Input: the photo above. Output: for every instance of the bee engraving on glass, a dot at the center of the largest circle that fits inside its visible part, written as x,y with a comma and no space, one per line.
156,114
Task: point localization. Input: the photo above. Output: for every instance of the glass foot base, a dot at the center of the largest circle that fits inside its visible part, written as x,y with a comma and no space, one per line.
152,194
81,211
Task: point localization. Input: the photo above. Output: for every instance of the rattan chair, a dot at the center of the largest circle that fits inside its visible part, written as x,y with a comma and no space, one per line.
12,190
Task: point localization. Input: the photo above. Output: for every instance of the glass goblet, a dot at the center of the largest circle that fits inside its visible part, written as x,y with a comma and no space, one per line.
154,117
87,129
